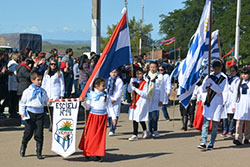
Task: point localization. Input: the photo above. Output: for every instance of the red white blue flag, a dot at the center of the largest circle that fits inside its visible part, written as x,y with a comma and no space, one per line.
167,42
116,53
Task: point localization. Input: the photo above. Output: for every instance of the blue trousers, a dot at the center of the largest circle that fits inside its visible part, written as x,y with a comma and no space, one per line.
153,121
112,128
204,132
229,127
165,111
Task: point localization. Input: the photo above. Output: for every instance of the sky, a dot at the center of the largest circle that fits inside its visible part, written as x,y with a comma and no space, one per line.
71,19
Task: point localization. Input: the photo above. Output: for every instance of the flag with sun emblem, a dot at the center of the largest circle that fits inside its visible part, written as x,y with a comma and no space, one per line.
64,127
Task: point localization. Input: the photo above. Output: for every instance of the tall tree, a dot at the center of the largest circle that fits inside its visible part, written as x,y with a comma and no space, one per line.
183,23
136,30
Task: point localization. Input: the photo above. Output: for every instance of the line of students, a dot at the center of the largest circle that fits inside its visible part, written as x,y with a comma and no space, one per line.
223,98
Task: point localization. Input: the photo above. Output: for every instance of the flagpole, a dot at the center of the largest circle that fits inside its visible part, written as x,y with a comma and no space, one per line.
237,34
210,40
209,55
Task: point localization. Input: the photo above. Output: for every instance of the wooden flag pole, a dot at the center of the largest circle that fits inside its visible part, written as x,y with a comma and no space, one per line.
209,55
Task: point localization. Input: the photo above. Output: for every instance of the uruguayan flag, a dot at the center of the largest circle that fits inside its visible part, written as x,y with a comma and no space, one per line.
190,70
215,53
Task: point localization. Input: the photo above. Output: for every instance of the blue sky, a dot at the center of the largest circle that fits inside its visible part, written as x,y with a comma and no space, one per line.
71,19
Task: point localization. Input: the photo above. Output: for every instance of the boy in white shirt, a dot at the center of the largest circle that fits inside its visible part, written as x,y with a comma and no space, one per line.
31,108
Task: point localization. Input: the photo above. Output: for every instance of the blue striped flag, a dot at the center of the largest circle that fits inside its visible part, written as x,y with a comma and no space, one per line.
116,53
190,70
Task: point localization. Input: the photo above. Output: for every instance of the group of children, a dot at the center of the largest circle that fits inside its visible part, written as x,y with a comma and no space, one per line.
219,97
223,98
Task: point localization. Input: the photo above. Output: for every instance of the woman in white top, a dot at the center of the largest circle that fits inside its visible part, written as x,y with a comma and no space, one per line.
53,83
241,107
167,89
229,123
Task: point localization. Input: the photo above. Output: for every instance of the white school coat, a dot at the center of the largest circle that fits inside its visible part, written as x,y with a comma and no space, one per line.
53,85
167,88
231,88
242,108
216,110
117,96
140,113
158,96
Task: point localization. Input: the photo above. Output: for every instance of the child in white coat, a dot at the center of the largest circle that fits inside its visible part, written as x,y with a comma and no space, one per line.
229,122
138,111
155,97
213,107
114,91
241,107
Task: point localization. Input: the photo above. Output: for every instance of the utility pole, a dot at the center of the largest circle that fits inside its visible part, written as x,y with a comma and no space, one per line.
96,26
126,4
237,34
140,42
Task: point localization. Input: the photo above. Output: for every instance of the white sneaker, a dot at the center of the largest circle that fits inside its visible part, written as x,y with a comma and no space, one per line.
144,134
149,134
133,138
156,133
111,134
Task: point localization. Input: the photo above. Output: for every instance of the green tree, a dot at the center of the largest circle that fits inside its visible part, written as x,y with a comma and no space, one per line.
183,23
136,29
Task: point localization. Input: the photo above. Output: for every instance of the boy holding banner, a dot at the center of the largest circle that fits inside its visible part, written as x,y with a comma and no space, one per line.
213,106
32,111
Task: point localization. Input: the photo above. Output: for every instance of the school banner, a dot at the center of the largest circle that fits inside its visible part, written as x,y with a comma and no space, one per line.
64,126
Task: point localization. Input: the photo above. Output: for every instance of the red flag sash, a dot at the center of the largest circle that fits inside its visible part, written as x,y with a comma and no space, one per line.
141,86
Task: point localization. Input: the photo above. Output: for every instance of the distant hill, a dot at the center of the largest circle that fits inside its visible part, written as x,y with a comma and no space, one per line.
68,42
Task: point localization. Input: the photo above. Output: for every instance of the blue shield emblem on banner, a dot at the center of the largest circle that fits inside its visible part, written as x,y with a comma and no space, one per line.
64,133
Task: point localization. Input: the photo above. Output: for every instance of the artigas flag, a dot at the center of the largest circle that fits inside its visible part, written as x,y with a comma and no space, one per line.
190,70
116,53
64,126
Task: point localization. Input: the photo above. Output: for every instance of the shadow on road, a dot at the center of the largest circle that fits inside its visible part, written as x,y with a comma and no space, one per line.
121,157
179,135
19,128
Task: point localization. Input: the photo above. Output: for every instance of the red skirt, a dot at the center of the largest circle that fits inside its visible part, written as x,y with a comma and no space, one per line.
94,136
198,120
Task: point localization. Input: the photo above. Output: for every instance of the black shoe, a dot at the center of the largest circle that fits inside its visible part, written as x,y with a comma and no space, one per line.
202,146
39,147
237,142
22,150
39,155
210,147
246,141
190,125
99,158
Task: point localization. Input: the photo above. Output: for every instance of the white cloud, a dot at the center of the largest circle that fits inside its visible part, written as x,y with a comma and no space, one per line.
33,28
65,28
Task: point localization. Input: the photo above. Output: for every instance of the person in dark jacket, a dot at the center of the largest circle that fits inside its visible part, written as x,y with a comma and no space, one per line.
3,83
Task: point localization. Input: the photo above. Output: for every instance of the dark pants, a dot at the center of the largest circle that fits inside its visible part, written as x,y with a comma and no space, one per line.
68,86
184,115
191,111
13,104
135,127
34,125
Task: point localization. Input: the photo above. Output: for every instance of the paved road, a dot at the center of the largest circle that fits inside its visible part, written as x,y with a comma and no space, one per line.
173,148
